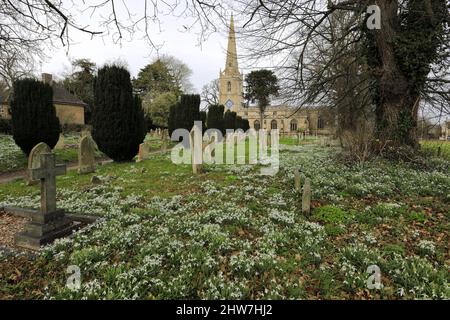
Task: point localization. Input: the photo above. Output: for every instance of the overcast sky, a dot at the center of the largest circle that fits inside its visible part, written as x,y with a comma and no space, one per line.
205,59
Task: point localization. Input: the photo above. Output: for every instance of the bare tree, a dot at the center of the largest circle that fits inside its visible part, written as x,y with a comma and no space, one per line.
15,65
405,57
27,22
180,71
210,93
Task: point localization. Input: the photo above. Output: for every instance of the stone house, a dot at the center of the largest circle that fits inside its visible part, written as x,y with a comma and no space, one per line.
69,109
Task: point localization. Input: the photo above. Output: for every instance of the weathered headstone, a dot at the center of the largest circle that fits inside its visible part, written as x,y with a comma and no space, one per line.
34,160
306,197
163,145
196,147
297,181
164,137
86,155
48,223
96,180
61,143
86,132
144,152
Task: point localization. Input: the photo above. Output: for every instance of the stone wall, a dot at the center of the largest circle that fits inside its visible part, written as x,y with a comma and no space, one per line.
70,114
306,119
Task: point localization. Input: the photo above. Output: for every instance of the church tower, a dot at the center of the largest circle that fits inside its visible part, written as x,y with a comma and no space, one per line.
230,80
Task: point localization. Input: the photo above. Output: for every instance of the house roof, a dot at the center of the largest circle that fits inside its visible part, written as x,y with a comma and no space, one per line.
63,96
60,96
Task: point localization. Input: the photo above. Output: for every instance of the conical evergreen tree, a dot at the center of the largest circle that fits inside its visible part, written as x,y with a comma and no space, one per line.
229,120
33,115
118,119
215,117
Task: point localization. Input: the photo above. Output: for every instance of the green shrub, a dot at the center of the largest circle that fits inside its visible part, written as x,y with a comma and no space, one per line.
391,210
417,216
331,214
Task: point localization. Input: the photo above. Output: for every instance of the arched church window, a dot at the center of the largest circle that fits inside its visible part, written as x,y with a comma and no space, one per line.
274,125
229,86
294,125
257,125
320,123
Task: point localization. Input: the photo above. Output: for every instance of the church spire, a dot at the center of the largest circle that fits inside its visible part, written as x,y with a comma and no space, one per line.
230,80
232,63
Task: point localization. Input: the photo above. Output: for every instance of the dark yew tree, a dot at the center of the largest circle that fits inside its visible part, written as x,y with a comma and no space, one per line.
173,120
215,117
189,111
33,115
229,120
118,119
203,116
245,125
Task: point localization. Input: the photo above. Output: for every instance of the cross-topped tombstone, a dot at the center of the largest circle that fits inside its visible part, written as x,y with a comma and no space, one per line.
34,160
48,223
47,173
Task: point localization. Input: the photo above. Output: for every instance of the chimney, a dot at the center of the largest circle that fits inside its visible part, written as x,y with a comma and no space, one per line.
47,78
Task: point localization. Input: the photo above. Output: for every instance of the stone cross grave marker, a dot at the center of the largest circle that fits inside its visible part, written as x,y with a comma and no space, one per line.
47,173
34,160
306,197
48,223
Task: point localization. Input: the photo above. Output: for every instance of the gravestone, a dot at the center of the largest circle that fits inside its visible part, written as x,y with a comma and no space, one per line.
86,155
306,197
195,138
144,152
297,181
34,160
48,223
86,132
61,142
163,144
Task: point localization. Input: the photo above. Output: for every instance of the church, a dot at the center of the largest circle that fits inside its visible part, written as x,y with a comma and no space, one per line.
287,119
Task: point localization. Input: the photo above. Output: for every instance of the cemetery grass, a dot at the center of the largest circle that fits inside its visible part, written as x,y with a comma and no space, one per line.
436,148
231,233
12,159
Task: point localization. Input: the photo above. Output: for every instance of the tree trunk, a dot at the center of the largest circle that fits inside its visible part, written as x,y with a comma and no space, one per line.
396,110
